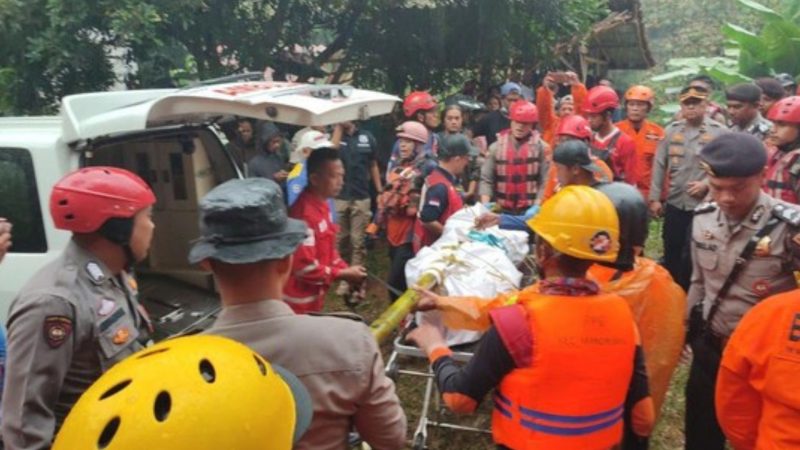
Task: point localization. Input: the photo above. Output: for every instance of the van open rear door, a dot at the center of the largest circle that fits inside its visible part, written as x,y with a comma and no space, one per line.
89,116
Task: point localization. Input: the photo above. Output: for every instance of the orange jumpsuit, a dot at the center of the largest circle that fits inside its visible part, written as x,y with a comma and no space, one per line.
646,140
548,119
758,386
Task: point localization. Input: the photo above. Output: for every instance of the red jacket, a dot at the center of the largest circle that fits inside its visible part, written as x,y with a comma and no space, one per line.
316,261
623,161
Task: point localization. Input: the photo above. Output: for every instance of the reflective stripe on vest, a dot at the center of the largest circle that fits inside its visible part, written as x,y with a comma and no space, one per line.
422,236
571,396
559,425
517,171
783,170
606,152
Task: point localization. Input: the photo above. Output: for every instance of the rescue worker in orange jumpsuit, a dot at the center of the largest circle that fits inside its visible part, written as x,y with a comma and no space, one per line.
782,179
550,112
564,358
639,101
608,143
758,385
516,168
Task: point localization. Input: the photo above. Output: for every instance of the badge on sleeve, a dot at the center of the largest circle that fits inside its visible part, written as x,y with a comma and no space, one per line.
105,308
56,330
761,287
121,336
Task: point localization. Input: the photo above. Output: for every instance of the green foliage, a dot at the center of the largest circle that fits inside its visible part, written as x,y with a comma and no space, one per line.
54,48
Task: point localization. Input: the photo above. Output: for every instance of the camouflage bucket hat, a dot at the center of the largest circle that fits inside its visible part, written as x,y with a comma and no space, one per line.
245,221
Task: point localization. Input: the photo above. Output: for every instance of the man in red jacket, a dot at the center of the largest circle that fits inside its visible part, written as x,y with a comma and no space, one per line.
317,263
608,143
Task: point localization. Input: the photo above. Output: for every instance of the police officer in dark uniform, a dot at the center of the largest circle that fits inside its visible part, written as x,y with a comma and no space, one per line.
745,246
79,315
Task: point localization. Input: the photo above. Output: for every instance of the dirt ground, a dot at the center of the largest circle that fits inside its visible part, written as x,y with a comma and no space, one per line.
668,434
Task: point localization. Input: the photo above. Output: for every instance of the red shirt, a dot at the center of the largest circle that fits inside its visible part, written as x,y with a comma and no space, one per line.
624,161
316,261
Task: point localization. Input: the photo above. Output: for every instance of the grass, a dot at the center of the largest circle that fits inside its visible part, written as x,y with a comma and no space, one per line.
668,434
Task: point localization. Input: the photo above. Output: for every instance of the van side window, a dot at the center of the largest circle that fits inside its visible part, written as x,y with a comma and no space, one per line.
20,201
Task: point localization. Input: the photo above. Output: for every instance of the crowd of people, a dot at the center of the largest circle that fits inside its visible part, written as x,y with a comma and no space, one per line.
583,169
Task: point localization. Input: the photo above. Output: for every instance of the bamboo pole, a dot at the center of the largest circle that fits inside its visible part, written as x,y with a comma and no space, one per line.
390,319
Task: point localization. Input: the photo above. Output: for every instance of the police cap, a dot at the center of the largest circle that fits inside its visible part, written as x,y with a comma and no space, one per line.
733,155
744,92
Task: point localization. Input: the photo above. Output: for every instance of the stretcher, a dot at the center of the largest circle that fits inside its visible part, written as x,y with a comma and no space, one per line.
432,409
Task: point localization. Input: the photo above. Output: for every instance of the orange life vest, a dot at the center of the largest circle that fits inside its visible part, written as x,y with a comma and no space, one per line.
783,172
572,394
517,171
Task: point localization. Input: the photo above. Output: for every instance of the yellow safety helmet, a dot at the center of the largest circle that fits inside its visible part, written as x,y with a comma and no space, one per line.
581,222
196,392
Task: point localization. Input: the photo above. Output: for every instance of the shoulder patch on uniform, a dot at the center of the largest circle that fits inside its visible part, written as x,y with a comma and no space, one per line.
787,214
706,207
340,315
56,330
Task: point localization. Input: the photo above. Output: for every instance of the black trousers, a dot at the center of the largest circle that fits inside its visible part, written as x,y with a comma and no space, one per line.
676,235
397,271
702,429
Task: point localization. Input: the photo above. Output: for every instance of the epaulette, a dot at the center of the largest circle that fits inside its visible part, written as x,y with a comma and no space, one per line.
340,315
706,207
787,214
674,124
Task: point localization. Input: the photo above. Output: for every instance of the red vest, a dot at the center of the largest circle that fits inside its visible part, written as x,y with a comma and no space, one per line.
572,394
423,237
783,174
516,172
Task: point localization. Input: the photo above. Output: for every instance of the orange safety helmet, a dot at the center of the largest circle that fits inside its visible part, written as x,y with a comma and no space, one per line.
574,125
640,93
85,199
524,111
786,110
600,99
418,101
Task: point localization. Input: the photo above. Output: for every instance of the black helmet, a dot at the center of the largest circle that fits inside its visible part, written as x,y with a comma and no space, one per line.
633,218
465,102
786,80
454,145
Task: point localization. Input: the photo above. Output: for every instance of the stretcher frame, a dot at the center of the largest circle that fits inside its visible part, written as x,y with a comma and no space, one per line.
393,370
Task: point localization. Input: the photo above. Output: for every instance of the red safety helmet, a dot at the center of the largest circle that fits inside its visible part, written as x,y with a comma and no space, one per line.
600,99
414,131
641,93
418,101
785,110
575,126
85,199
524,111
